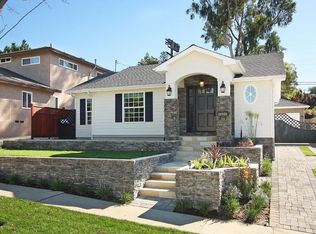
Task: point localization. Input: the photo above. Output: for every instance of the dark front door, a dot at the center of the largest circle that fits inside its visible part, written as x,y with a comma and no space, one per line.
201,109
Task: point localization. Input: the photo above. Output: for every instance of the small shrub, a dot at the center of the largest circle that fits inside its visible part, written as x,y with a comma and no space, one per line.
204,208
127,197
230,206
30,182
214,152
230,203
14,179
266,168
43,183
259,200
266,188
56,185
242,162
81,189
182,206
231,161
247,142
246,184
104,193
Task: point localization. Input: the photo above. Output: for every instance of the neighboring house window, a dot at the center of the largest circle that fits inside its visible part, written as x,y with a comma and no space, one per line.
86,111
134,108
27,99
250,94
99,73
31,61
67,64
5,60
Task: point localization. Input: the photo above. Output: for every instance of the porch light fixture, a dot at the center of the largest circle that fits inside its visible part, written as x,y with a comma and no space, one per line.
222,87
169,91
202,83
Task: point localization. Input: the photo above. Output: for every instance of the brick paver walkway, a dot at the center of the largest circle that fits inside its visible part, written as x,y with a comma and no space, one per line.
293,201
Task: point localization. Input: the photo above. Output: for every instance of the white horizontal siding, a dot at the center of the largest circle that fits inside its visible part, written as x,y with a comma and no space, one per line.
104,116
263,105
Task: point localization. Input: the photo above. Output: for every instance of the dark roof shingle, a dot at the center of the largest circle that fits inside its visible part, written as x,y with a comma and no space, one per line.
262,64
287,103
132,76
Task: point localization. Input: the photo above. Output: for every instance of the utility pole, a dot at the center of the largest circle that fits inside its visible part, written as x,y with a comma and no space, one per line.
116,62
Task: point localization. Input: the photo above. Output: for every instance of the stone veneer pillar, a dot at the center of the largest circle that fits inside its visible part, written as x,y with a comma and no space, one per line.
171,108
224,123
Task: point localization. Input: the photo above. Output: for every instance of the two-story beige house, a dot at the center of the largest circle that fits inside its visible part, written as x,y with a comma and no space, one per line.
40,76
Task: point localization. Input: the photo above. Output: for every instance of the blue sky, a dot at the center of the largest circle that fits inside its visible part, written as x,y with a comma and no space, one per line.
126,30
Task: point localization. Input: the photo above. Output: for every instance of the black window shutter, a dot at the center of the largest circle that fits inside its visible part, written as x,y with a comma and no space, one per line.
149,106
118,108
82,111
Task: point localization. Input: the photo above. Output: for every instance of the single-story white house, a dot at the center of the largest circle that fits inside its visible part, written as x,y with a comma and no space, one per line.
196,92
295,110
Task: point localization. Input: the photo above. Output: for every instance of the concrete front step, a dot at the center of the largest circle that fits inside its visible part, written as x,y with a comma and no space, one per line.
198,138
158,192
169,167
163,176
186,148
163,184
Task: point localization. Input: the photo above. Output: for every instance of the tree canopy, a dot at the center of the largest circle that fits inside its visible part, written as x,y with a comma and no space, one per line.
14,47
244,26
288,87
147,60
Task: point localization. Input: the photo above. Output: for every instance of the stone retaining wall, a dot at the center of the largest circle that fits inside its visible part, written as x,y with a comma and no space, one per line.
114,145
255,153
196,186
119,175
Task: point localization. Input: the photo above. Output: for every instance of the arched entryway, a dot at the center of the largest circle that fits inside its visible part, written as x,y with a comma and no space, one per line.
197,105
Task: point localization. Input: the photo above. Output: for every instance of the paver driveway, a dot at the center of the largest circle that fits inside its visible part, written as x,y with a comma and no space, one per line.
293,202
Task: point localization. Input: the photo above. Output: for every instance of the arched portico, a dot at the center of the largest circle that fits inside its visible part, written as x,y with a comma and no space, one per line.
191,108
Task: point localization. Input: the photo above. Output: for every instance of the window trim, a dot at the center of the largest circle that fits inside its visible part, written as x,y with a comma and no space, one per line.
27,92
99,73
86,111
39,61
5,58
123,108
256,91
59,59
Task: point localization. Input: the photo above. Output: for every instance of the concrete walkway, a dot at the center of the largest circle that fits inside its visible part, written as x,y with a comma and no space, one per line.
293,202
132,213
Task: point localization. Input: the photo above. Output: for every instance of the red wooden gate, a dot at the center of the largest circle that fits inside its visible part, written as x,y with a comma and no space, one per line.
52,122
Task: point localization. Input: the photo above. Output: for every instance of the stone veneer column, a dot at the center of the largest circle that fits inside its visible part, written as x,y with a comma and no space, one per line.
171,119
224,124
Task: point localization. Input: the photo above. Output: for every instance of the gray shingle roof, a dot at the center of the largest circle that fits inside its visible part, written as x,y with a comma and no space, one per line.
263,64
255,65
132,76
13,77
287,103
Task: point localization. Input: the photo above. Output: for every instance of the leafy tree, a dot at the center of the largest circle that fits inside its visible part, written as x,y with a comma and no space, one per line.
241,25
147,60
288,89
312,90
14,47
164,56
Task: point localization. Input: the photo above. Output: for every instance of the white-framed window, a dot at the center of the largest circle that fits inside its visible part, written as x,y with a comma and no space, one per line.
134,107
85,111
250,94
31,61
89,111
27,99
68,65
5,60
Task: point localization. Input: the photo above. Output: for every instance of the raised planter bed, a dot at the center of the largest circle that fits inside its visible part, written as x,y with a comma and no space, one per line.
120,175
196,186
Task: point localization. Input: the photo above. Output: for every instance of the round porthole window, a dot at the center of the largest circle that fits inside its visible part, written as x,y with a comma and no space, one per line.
250,94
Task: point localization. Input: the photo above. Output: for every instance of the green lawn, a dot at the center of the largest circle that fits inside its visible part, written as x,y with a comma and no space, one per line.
77,154
307,151
314,171
22,216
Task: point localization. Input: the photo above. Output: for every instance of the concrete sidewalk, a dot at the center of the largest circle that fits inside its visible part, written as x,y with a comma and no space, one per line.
135,214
